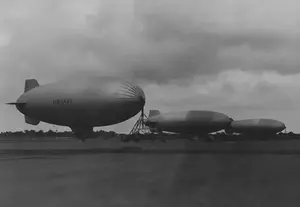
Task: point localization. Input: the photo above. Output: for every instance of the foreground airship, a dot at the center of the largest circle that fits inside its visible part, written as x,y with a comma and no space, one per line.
80,103
199,123
256,127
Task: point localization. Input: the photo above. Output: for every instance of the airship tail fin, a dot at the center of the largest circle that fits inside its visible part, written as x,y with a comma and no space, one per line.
15,103
30,84
154,113
31,121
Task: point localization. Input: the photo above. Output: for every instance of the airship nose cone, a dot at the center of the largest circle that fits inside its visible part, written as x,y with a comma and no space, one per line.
140,96
132,93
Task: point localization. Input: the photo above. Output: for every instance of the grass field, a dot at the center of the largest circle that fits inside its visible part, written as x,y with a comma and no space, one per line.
173,178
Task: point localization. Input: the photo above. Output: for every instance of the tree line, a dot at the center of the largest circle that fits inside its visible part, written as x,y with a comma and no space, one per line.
108,134
50,133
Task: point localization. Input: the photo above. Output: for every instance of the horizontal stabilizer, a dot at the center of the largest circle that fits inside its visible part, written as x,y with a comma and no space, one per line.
15,103
31,121
30,84
153,113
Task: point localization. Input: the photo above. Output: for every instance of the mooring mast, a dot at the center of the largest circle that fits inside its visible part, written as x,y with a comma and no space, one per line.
140,127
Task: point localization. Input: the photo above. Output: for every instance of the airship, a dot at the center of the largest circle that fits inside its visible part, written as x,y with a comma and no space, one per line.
199,123
80,103
256,127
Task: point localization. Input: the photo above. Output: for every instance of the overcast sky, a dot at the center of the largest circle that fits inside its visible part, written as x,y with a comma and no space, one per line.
239,57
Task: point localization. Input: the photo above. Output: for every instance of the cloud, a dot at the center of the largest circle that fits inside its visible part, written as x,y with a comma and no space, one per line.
230,89
157,41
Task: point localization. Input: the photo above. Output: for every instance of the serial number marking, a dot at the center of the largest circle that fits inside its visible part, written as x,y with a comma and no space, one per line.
62,101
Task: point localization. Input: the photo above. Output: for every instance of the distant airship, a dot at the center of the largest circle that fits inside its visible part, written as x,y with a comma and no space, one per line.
256,127
80,103
199,123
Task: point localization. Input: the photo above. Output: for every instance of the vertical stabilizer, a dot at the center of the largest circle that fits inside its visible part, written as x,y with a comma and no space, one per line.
154,113
30,84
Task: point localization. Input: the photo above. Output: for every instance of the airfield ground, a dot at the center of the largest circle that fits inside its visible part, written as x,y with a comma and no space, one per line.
110,173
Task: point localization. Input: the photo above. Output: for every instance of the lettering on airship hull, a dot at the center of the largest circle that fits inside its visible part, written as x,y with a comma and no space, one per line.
62,101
